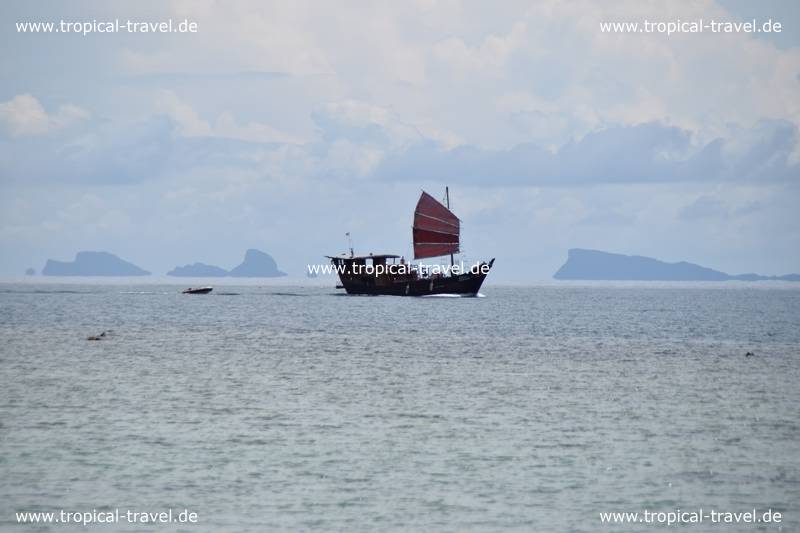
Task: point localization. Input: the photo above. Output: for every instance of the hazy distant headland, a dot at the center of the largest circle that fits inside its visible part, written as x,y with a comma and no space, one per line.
198,270
596,265
256,264
93,264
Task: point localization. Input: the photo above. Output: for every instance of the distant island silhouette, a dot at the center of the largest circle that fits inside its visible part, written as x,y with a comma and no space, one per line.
256,264
597,265
93,264
198,270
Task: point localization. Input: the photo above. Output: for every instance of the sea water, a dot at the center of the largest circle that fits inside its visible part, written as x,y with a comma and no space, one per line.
265,408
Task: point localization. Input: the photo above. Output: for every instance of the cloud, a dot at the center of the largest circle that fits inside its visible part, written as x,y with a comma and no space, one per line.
607,218
191,124
489,57
644,153
24,116
357,140
703,207
707,207
227,126
125,153
352,120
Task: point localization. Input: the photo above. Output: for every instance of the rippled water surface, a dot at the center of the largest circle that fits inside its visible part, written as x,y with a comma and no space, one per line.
288,408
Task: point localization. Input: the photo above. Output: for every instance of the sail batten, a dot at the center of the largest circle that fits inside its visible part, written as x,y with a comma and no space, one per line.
436,229
449,223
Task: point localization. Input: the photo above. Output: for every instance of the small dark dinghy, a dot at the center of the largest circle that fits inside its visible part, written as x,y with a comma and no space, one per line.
198,290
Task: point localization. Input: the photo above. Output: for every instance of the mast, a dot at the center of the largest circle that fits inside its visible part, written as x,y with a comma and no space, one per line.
447,198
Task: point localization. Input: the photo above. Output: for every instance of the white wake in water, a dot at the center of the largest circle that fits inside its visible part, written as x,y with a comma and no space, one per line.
479,295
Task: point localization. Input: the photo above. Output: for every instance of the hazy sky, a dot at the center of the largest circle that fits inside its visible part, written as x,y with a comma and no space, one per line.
281,126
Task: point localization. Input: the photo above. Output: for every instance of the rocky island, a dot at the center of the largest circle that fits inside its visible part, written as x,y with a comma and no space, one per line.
256,264
596,265
93,264
198,270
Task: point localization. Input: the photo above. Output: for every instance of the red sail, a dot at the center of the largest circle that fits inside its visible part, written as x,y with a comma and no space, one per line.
436,229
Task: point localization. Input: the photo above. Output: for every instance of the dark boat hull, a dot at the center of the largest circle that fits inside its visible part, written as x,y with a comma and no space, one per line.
467,284
203,290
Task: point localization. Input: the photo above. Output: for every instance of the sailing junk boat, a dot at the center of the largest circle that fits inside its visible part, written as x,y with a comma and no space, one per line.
436,233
